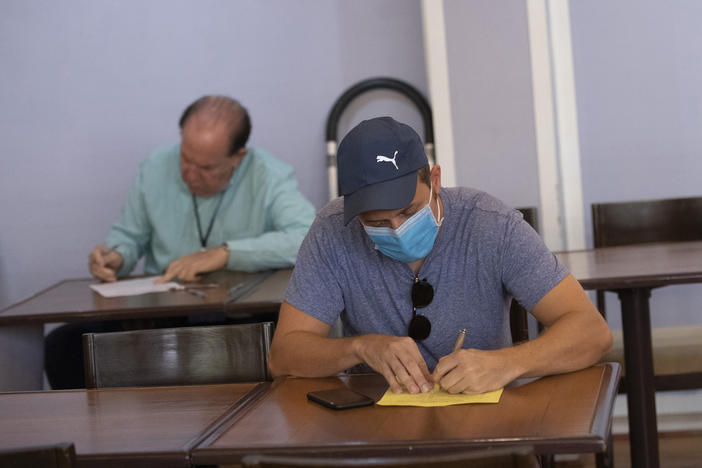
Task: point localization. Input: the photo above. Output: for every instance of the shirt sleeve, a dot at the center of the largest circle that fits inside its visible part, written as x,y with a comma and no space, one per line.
131,234
291,216
314,287
529,269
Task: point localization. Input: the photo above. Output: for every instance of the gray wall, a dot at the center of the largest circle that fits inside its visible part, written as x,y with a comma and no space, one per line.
491,98
88,88
638,70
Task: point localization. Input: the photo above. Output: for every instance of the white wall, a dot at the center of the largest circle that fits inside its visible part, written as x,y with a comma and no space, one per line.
88,88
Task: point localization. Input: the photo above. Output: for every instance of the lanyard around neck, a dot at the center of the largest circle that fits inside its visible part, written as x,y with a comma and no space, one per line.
203,240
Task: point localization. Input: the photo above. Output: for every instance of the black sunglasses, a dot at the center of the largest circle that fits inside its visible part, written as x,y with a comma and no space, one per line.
422,295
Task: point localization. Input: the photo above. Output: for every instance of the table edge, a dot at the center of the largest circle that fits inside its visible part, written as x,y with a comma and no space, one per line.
601,424
594,442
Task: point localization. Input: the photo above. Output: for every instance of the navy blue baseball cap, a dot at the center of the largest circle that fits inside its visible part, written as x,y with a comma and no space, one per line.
378,162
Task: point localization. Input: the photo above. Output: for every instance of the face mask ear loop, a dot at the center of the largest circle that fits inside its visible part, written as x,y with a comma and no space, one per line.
438,205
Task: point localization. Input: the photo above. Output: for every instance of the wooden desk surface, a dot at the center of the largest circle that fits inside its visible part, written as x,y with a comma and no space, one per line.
557,414
643,265
154,426
73,300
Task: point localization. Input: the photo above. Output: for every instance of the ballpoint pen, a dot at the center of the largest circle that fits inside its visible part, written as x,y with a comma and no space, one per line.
233,296
196,292
459,340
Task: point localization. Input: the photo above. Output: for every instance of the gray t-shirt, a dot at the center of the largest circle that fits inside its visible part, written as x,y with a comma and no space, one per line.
484,254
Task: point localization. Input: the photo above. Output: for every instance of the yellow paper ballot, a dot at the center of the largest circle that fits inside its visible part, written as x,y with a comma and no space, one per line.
437,397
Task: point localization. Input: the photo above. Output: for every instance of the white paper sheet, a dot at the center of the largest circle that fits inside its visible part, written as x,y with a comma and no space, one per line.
133,287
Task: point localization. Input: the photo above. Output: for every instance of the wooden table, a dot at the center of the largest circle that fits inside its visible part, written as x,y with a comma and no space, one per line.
632,271
73,300
149,427
21,325
567,413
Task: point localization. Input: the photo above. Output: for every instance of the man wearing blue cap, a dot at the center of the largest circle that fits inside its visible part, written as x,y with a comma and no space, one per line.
406,264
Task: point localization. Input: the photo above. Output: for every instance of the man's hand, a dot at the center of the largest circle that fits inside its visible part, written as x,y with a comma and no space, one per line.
474,371
398,359
104,263
187,268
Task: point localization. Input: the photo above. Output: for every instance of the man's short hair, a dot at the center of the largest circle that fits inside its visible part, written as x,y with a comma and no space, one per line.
224,109
425,175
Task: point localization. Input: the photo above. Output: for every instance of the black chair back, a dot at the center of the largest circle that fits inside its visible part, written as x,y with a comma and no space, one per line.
178,356
638,222
515,457
61,455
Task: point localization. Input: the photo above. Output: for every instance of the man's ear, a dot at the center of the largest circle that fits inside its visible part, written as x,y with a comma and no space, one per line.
239,156
435,177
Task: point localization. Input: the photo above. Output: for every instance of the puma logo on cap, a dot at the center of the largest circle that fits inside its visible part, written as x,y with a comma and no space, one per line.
381,158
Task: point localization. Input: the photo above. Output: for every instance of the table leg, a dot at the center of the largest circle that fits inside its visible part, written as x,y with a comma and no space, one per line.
638,356
21,358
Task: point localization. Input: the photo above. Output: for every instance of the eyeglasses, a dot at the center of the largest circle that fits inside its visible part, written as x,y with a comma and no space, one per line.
422,295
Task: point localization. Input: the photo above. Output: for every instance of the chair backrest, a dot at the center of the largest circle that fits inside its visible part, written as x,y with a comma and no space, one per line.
530,216
515,457
178,356
638,222
61,455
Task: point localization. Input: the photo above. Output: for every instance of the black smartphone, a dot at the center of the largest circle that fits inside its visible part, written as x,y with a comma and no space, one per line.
340,398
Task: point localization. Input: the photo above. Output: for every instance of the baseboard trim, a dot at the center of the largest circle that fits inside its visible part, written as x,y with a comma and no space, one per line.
677,411
662,435
674,424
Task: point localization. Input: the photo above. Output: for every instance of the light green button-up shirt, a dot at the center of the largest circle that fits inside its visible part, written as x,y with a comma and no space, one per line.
263,216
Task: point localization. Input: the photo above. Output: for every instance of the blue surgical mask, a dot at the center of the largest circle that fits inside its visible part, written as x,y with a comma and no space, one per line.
413,240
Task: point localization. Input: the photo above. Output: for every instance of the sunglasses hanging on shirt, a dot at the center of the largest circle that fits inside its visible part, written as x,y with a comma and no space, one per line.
422,295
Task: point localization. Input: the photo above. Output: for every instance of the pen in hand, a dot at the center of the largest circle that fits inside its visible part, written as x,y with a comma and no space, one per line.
459,340
104,262
456,347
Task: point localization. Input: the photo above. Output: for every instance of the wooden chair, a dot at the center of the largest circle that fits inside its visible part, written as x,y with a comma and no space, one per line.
677,351
61,455
484,458
178,356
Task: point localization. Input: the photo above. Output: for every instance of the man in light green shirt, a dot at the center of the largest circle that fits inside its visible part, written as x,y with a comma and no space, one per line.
208,203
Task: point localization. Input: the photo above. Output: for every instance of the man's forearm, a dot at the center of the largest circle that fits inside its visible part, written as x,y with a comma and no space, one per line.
306,354
275,249
575,341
